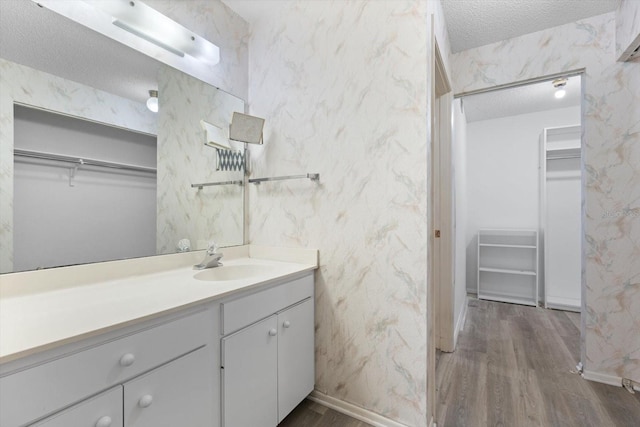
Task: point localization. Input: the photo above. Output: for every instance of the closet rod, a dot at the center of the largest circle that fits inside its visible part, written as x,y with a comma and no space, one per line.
81,161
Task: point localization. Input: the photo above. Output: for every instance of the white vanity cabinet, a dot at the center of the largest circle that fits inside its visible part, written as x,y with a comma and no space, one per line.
160,373
267,362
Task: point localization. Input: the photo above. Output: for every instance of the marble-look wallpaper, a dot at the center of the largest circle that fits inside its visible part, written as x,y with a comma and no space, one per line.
611,141
627,25
24,85
183,212
217,23
345,87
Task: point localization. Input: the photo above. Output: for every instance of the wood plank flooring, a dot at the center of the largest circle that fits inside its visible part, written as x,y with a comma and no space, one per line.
512,368
311,414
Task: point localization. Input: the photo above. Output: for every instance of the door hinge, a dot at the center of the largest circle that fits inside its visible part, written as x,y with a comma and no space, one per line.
437,234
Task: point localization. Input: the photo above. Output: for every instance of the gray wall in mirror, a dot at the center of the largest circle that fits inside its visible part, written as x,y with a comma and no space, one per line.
183,212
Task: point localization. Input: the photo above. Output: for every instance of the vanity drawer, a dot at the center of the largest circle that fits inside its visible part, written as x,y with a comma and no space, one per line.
238,313
43,389
100,411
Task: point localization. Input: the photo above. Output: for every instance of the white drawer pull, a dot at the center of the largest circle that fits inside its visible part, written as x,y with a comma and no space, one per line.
104,422
273,332
127,359
145,401
286,324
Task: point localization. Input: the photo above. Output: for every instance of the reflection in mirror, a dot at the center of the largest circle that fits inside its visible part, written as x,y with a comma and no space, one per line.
37,89
78,197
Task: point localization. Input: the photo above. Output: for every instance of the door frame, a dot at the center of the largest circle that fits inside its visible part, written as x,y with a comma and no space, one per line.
443,206
439,297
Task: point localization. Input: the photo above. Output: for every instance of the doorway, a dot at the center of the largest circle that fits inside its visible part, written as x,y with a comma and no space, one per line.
523,187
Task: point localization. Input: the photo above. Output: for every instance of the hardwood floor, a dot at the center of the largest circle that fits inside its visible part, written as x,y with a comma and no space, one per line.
513,368
311,414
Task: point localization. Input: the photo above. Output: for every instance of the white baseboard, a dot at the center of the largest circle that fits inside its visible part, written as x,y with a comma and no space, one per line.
352,410
560,303
461,321
602,378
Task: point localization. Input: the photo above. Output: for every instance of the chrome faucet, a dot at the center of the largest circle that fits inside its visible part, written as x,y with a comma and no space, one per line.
211,259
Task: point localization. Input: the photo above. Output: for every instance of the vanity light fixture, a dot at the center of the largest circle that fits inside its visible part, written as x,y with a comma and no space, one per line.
560,84
147,37
139,26
152,102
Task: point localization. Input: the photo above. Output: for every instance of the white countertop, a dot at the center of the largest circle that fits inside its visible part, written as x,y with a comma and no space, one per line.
41,310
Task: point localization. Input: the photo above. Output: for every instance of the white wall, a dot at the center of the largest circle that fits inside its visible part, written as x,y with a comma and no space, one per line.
503,181
459,141
107,214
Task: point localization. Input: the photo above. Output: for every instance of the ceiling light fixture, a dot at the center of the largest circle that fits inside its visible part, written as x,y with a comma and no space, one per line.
152,102
560,84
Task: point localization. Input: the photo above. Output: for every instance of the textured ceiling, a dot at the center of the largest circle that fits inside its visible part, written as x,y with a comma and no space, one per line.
473,23
520,100
41,39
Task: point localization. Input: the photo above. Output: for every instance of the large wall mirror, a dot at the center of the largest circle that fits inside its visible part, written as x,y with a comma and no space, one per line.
73,94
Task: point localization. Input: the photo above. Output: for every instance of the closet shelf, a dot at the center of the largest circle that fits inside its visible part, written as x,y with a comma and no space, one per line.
496,245
508,266
510,299
508,271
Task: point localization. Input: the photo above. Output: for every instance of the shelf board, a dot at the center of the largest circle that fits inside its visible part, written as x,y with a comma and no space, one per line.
508,271
510,299
501,245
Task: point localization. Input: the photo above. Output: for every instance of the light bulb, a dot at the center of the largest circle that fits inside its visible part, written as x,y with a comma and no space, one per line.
560,93
152,102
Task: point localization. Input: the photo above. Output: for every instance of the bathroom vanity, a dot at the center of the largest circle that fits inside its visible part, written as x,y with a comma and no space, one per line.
231,346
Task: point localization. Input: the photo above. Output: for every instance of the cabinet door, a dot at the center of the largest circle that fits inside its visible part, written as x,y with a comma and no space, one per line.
103,410
179,393
296,368
250,377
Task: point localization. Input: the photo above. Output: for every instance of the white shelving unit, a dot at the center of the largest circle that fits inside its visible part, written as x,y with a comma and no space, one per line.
560,217
508,266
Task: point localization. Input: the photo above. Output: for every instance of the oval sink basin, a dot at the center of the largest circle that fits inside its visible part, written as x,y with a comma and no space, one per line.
232,272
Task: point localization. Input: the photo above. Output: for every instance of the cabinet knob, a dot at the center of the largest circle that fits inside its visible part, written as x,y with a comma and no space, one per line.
145,401
286,324
127,359
273,332
104,422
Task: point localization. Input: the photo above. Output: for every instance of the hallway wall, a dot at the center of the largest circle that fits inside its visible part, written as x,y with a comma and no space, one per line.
611,141
345,88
